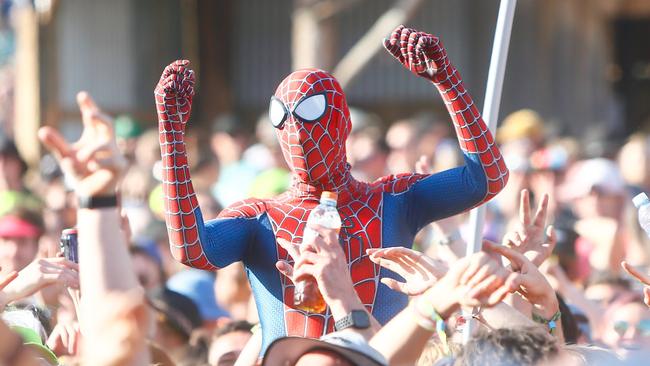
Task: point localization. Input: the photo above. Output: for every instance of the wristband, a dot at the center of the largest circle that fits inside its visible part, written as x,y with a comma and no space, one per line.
97,201
428,318
446,240
551,323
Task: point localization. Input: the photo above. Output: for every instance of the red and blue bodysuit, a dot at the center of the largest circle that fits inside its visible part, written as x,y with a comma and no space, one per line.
312,122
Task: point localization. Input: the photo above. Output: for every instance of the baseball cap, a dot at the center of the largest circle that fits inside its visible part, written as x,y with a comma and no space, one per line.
352,346
589,174
32,340
15,227
178,310
198,285
126,127
521,124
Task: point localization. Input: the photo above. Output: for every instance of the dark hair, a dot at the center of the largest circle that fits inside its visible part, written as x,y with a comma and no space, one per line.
232,327
139,250
570,328
608,278
508,347
8,149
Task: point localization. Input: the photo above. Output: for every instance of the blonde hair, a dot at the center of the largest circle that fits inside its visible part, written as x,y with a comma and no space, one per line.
592,355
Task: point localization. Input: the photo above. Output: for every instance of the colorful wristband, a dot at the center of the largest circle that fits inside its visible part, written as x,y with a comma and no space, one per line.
551,323
428,318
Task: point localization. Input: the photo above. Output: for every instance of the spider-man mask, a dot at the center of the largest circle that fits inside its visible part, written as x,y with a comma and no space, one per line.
312,122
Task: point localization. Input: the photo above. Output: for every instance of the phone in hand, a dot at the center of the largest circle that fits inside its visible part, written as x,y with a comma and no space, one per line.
69,245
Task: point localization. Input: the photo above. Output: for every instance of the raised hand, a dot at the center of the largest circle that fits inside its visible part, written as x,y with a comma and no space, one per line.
419,271
322,259
94,161
477,280
532,238
65,339
531,283
173,95
643,278
421,53
6,280
41,273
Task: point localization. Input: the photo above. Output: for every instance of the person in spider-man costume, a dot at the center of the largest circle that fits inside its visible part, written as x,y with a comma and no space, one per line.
312,122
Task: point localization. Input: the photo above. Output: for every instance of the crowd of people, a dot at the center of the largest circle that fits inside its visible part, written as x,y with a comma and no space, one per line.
561,278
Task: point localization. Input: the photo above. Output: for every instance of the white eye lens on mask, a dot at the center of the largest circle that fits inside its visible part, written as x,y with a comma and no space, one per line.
311,108
277,112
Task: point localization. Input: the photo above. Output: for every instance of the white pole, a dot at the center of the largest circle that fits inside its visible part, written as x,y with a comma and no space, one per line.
490,116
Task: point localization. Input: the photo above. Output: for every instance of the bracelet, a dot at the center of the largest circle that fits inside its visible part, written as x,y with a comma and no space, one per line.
445,240
428,318
97,201
551,323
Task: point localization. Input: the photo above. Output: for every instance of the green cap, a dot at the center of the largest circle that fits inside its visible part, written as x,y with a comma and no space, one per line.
33,340
126,127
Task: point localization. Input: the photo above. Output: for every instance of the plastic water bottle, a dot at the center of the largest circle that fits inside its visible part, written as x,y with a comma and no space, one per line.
642,203
306,295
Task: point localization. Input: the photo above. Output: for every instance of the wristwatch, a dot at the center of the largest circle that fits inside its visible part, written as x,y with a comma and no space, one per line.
358,319
97,201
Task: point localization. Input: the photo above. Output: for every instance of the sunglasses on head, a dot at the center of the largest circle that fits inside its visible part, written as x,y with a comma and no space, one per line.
643,327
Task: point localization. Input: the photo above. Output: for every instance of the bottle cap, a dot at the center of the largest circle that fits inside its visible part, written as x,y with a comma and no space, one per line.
640,200
70,231
329,195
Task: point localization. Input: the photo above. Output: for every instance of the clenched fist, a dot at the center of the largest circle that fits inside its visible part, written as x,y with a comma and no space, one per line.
419,52
174,94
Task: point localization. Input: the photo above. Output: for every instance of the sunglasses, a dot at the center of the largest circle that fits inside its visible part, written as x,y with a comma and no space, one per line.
643,327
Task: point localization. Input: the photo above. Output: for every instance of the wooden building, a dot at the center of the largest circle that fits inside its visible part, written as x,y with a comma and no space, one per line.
583,64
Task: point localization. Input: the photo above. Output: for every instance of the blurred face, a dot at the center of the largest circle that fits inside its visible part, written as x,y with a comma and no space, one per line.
603,293
10,170
629,327
599,204
147,271
322,358
17,253
225,349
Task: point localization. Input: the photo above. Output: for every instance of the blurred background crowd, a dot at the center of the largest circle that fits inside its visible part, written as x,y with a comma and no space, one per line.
574,122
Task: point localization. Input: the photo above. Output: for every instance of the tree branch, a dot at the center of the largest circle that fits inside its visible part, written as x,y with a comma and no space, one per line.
369,45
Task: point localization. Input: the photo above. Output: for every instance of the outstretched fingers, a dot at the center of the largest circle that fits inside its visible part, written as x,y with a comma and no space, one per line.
524,207
54,142
6,280
285,268
292,249
516,259
551,234
542,209
643,278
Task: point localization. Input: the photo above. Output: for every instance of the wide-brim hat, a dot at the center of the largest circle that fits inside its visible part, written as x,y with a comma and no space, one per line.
352,346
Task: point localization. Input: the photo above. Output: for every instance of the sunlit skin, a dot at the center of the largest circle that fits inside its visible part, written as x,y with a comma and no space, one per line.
603,293
632,338
17,253
10,173
322,358
225,350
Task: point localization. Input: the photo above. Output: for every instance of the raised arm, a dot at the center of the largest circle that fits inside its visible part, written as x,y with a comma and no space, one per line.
485,173
193,243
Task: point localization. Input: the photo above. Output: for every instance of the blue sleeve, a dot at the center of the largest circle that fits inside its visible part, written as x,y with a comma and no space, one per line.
446,193
225,240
